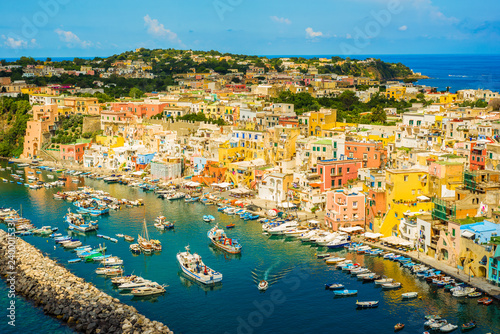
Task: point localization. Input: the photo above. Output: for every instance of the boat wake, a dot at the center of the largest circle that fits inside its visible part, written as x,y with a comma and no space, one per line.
260,274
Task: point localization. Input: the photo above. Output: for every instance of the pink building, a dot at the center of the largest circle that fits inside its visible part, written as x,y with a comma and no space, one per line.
373,154
37,129
344,209
73,152
139,109
336,173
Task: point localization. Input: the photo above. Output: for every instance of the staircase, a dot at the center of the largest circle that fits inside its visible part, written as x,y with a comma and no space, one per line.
44,154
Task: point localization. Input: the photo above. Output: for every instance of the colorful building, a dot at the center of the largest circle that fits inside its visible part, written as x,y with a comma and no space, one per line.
344,209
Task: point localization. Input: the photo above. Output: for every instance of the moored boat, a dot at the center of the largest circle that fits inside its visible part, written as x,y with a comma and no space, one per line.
220,240
409,295
345,293
367,304
263,285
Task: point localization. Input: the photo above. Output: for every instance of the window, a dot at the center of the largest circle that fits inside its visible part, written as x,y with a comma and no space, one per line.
334,144
340,170
340,182
453,232
355,204
335,154
380,184
406,178
413,191
324,149
348,170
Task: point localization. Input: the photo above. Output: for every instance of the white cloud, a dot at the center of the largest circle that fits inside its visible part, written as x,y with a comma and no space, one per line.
348,36
281,20
158,30
403,28
71,39
433,11
310,33
12,43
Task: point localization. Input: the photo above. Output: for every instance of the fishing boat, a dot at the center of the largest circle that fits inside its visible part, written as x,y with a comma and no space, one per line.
190,199
193,267
263,285
345,293
485,301
148,290
206,219
409,295
468,326
109,271
437,324
334,260
74,260
77,222
220,240
390,286
368,304
176,196
112,261
230,225
334,286
72,244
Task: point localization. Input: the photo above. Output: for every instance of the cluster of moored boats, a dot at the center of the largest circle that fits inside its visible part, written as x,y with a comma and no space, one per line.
13,219
95,202
242,213
431,275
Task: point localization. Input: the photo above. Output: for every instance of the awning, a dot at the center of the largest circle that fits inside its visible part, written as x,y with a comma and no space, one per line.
314,222
468,234
423,198
192,184
351,229
371,235
393,240
287,205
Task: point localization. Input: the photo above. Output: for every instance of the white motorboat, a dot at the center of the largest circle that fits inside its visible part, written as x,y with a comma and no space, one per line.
389,286
193,266
438,324
384,280
305,237
326,239
409,295
334,260
72,244
448,328
112,261
138,282
278,230
148,290
339,242
295,231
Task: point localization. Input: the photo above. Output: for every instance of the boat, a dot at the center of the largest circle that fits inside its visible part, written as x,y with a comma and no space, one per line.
230,225
206,219
161,223
148,290
143,241
368,304
193,267
112,261
176,196
462,292
334,260
437,324
390,286
263,285
448,328
128,238
474,294
468,326
334,286
119,235
409,295
76,222
135,283
345,293
399,326
485,301
280,229
339,242
135,248
220,240
74,260
72,244
109,271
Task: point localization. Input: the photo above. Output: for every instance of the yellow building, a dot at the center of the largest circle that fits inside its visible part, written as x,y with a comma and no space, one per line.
80,105
230,152
445,177
396,92
110,141
281,142
403,188
321,120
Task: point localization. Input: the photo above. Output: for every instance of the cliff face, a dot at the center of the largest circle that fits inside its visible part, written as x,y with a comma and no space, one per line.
63,295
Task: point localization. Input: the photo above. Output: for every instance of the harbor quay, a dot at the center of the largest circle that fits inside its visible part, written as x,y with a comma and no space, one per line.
478,283
65,296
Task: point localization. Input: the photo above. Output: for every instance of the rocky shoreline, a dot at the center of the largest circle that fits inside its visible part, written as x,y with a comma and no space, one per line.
67,297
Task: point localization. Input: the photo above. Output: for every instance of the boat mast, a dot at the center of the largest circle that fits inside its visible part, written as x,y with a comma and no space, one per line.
146,230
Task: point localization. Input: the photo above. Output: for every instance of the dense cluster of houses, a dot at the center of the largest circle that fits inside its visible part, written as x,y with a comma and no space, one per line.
432,180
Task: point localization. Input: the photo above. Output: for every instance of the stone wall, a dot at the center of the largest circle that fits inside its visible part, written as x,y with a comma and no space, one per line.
70,298
91,124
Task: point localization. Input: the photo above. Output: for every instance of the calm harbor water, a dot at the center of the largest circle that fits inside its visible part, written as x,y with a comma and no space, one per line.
296,301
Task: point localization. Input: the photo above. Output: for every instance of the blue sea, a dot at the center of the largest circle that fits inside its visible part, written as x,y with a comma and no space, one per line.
453,71
296,301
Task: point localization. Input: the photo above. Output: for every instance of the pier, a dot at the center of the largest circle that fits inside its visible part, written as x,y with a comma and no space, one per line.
65,296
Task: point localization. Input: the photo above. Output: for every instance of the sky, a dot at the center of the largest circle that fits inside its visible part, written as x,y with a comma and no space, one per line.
69,28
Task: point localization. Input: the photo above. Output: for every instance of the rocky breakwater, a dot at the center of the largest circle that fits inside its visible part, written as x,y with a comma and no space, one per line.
68,297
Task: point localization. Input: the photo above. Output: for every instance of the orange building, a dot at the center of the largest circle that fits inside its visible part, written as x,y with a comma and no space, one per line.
37,129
